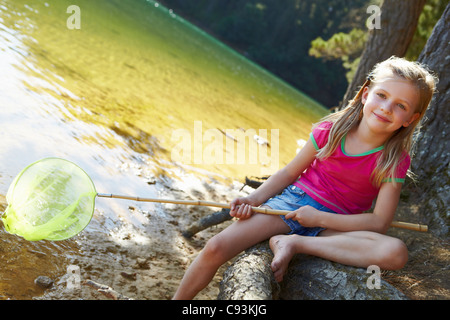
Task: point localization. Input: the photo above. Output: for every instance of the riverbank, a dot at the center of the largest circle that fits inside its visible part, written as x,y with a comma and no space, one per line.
146,260
145,263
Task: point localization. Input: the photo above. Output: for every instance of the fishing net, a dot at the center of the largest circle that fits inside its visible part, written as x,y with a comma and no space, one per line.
51,199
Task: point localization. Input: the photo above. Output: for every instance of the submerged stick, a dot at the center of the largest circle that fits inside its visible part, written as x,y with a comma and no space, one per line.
396,224
105,290
210,220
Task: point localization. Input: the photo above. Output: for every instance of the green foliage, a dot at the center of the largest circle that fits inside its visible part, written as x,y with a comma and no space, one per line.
339,45
344,46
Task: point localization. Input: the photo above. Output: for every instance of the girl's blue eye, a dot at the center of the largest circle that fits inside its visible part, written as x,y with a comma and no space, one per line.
401,106
381,95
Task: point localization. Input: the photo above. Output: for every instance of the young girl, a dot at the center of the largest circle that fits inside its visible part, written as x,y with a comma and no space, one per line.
352,157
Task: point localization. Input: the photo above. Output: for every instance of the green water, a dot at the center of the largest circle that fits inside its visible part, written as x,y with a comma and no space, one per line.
141,72
114,93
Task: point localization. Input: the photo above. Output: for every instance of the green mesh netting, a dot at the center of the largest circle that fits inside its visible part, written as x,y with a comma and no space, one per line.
51,199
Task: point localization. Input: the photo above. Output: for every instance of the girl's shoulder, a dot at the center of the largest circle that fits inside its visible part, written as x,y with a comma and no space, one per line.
320,133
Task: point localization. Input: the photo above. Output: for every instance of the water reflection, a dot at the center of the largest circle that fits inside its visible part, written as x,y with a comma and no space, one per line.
109,96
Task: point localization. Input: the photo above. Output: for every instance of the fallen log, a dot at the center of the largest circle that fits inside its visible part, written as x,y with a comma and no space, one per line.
308,278
255,182
313,278
250,276
206,222
219,216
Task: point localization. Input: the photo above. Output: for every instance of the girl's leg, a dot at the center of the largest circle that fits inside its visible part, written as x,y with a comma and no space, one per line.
222,247
357,248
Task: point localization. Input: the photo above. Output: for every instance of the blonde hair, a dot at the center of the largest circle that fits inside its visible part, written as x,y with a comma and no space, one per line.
402,140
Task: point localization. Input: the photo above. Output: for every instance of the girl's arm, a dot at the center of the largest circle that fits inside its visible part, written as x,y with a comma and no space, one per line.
276,183
378,221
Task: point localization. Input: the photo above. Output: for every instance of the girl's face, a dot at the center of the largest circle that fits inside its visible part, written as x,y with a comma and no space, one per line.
390,104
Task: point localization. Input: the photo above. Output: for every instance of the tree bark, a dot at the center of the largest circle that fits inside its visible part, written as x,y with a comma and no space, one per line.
398,23
312,278
308,278
431,162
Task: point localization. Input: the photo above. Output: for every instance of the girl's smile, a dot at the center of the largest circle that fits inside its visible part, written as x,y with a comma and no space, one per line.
381,118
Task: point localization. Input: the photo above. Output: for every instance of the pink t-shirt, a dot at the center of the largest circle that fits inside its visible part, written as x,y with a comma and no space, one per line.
342,182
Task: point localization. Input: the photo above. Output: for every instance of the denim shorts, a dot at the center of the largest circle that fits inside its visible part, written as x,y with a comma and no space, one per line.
291,199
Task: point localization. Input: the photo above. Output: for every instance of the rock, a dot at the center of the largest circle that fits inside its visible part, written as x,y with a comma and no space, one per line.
43,282
129,275
142,263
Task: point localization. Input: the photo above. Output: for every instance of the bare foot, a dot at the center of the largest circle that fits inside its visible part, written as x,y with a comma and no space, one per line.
283,252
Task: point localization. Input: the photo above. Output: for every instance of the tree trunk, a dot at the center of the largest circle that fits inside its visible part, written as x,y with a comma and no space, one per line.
398,23
308,278
431,162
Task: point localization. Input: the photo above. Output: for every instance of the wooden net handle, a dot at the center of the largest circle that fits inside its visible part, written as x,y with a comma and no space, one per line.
396,224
